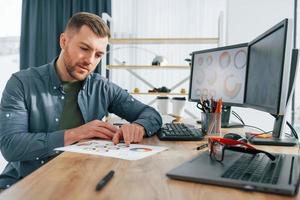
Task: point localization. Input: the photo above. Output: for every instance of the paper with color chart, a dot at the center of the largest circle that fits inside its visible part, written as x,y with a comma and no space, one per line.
107,148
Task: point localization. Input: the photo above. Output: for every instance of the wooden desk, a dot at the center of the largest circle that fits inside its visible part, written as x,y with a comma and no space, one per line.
74,176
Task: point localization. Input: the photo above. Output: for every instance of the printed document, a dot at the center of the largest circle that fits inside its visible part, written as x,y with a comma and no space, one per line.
107,148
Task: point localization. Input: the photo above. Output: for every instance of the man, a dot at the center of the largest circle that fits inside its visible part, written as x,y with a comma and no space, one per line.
63,102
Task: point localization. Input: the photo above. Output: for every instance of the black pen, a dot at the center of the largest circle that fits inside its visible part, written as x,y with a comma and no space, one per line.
202,146
105,180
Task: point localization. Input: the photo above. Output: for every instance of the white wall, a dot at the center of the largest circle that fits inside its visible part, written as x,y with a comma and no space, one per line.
246,19
10,23
161,19
10,17
297,88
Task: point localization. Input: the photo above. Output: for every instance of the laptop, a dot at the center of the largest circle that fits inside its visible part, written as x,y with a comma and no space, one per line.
245,171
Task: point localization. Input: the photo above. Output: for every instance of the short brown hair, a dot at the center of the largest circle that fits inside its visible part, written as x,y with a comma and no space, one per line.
94,22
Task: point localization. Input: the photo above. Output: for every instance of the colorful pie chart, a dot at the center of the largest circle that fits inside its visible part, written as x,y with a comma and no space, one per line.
141,149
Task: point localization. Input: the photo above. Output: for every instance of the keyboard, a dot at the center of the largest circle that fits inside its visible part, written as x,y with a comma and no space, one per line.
179,132
258,168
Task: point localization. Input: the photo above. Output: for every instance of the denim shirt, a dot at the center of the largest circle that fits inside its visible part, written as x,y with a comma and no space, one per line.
30,111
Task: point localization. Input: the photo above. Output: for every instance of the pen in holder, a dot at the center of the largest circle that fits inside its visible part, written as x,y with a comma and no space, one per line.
211,118
211,123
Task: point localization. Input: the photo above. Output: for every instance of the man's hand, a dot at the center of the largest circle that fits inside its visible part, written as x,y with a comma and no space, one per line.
131,133
95,128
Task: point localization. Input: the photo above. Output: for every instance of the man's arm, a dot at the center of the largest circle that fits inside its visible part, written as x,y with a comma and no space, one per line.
127,107
16,143
93,129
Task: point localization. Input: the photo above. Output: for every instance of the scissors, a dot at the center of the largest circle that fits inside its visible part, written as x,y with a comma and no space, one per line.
203,105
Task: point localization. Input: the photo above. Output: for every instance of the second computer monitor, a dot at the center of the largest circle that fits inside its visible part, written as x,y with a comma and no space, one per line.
219,73
269,62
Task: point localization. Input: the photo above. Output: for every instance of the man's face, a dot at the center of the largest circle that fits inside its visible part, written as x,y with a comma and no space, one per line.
81,52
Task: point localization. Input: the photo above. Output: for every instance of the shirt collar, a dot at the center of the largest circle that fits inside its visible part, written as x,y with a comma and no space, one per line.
55,80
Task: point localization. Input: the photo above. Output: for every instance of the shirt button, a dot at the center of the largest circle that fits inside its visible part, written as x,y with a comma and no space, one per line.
62,97
56,119
42,162
54,87
7,115
7,186
132,99
149,132
57,152
37,158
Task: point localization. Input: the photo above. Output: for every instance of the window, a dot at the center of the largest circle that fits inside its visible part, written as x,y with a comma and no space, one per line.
10,21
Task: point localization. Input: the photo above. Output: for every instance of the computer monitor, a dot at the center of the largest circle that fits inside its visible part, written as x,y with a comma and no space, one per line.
220,73
268,77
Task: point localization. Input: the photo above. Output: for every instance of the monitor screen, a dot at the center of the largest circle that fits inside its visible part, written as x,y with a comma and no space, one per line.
268,70
219,73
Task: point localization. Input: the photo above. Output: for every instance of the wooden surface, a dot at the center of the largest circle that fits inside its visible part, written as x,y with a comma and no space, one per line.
74,176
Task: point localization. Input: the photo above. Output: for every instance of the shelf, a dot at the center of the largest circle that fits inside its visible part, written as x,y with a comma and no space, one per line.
148,67
158,93
212,40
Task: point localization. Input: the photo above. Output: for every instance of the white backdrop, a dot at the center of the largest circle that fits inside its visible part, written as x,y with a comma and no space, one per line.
161,19
10,23
246,19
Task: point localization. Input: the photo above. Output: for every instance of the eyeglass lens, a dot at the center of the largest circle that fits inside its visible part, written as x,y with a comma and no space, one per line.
217,151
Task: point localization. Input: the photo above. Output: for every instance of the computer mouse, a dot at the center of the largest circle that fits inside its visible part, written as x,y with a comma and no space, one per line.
235,136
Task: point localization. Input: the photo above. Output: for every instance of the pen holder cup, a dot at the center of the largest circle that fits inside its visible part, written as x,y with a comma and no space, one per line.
211,123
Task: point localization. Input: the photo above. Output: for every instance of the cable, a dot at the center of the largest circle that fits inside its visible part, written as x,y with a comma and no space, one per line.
294,132
262,131
238,117
242,121
289,135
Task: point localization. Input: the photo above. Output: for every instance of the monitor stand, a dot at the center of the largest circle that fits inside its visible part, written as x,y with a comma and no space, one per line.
275,139
226,111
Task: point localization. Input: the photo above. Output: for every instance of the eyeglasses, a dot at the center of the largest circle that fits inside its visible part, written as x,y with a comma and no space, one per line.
218,145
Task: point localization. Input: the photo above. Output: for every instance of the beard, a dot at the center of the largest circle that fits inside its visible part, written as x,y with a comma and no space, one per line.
78,70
